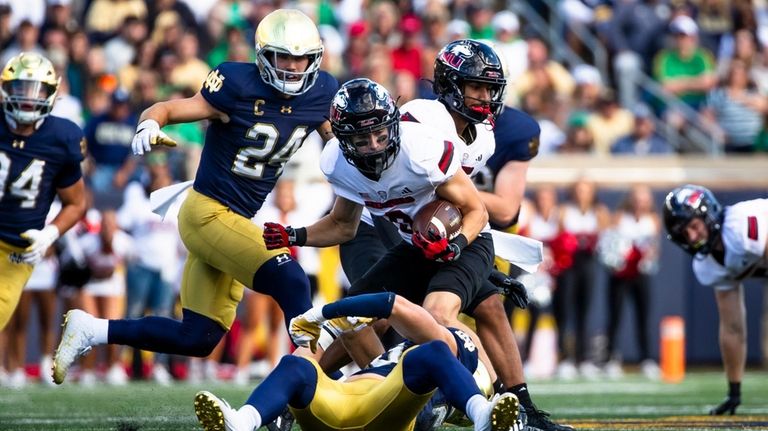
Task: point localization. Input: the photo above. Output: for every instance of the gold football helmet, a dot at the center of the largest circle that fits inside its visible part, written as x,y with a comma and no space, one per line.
288,32
28,85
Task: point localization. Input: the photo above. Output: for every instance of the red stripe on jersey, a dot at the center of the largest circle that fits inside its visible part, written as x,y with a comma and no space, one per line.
409,117
752,227
445,160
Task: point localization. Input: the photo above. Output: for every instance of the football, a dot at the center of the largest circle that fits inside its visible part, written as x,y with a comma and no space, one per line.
437,219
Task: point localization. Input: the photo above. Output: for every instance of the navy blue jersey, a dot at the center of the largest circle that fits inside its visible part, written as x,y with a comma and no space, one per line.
31,169
467,354
243,158
517,139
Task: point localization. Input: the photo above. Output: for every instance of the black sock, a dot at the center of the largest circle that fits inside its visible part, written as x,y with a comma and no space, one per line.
521,392
498,387
734,389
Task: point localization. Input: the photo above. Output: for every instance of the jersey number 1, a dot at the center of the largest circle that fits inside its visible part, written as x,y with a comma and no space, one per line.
27,185
250,161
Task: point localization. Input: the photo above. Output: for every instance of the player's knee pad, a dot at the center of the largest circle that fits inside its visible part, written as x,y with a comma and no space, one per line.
283,279
200,334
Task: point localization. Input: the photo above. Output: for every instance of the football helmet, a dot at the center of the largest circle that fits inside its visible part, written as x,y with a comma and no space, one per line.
467,60
361,107
29,87
685,203
288,32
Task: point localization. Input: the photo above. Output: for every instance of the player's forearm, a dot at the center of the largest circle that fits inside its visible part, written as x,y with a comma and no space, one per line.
328,231
501,212
733,348
72,208
473,222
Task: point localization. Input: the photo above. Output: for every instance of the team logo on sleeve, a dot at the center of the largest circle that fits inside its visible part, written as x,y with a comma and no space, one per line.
533,146
83,147
214,81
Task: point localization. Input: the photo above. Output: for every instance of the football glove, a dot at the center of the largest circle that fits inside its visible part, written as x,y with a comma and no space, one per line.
278,236
729,406
340,325
305,331
39,241
148,134
510,287
440,250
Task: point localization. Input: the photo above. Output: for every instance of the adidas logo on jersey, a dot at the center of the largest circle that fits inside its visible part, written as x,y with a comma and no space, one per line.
405,191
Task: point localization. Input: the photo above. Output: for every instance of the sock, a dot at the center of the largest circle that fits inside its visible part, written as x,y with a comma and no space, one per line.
100,330
335,375
478,409
498,387
521,392
734,389
250,416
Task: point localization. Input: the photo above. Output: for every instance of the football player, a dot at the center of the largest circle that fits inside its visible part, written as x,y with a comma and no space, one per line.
729,244
498,144
259,116
40,158
393,168
387,395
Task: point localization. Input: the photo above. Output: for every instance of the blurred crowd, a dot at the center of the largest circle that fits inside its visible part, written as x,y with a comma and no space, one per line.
118,57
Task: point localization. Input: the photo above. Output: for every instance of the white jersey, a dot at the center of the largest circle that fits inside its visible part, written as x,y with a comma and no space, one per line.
473,155
744,233
426,160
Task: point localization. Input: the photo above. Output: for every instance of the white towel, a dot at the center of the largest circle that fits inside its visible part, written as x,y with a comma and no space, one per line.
525,253
163,199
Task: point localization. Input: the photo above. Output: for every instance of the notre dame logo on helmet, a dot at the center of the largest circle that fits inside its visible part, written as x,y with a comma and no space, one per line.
214,81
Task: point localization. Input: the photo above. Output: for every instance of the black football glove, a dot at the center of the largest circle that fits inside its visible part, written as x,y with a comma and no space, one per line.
510,287
727,406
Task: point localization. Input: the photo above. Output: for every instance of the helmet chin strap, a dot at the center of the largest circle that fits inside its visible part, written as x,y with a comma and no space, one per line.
13,124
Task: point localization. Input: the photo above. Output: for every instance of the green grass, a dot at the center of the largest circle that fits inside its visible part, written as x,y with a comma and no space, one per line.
631,403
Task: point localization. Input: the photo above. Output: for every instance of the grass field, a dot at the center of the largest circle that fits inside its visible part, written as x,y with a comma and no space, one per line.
629,404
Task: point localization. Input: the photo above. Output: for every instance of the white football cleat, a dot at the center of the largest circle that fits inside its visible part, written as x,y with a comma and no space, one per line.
76,340
504,412
215,414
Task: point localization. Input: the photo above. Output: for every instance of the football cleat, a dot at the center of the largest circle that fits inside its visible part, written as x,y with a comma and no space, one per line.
538,420
284,422
76,341
504,412
215,414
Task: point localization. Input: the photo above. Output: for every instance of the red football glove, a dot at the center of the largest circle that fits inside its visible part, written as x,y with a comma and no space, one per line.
279,236
440,250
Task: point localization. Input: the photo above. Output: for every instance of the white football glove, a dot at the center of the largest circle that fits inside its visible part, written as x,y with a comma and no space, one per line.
40,240
304,329
148,133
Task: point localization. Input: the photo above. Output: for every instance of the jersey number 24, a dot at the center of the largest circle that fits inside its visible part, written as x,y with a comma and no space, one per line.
250,161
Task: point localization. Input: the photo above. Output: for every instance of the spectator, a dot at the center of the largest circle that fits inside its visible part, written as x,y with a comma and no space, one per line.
121,50
358,47
735,109
104,294
542,73
190,71
383,19
686,70
578,137
589,87
104,17
506,27
479,16
27,36
582,219
609,122
630,249
149,277
643,140
109,137
407,55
